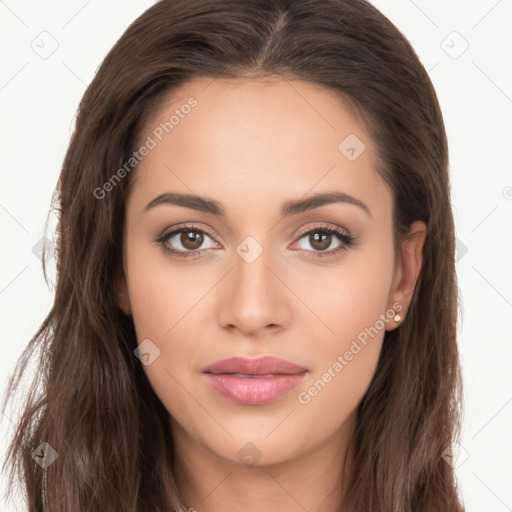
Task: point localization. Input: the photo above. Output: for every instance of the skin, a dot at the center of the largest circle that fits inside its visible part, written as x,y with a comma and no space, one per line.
251,145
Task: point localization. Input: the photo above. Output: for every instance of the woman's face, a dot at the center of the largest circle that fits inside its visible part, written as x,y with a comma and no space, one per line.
257,273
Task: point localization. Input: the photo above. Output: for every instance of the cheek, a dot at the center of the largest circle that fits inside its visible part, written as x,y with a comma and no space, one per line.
352,297
162,303
356,316
166,299
161,292
345,365
356,320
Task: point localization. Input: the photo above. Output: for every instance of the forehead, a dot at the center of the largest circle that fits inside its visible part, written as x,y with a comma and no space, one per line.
255,139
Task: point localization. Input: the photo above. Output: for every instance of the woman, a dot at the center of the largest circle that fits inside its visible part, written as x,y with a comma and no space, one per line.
256,299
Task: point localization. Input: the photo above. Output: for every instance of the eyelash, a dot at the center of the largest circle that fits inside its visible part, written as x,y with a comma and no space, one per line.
346,238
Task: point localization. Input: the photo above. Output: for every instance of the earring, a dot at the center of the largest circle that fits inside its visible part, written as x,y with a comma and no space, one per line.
397,318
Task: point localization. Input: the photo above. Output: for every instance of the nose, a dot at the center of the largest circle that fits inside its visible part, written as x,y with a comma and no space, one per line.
254,299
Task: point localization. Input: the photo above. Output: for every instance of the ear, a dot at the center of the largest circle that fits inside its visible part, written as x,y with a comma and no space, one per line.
121,294
407,269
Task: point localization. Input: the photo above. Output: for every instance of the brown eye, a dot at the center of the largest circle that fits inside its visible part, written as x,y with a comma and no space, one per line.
186,241
320,240
191,240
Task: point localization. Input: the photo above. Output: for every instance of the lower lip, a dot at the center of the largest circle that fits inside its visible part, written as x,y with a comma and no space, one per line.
253,390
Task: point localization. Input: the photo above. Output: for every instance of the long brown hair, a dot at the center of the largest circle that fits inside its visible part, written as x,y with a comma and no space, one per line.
91,401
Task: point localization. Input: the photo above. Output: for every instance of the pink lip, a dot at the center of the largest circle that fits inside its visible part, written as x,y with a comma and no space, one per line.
254,381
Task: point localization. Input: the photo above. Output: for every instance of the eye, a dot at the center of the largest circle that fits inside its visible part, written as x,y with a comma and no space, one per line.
321,238
185,241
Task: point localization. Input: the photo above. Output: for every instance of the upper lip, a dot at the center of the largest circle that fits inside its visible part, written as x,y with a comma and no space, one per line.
261,366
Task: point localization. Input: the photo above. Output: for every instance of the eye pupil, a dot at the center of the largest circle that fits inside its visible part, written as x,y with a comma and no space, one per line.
191,239
320,240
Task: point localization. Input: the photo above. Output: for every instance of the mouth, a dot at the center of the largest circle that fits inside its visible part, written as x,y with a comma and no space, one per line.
253,381
262,366
249,376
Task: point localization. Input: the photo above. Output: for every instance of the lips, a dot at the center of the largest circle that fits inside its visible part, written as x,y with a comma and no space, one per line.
253,381
253,367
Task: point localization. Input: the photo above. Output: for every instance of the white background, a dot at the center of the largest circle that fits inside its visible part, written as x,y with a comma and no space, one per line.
38,100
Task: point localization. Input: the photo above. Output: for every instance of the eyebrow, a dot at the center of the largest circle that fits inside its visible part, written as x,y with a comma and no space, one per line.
292,207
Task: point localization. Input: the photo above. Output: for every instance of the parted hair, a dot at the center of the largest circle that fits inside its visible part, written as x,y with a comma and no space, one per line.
90,400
